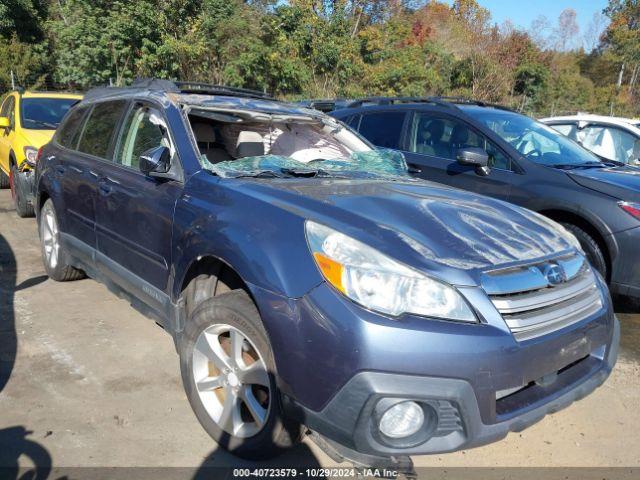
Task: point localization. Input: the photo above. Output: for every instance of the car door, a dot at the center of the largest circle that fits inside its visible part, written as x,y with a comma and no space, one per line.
7,134
85,141
135,211
431,145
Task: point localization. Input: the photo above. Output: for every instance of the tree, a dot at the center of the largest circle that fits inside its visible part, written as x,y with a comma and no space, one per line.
312,48
592,36
567,29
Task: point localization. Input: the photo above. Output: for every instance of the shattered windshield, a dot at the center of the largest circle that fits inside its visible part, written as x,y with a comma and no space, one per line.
369,164
236,144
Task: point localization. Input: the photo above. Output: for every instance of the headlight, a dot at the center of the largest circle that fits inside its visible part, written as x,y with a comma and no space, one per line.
30,155
378,282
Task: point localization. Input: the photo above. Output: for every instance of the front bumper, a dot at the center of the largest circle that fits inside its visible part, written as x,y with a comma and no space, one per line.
347,419
336,360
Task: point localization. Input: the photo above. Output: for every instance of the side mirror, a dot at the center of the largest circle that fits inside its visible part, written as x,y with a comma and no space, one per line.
5,122
155,162
474,156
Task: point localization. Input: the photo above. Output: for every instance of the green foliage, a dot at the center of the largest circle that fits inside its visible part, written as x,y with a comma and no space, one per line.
532,82
29,63
306,48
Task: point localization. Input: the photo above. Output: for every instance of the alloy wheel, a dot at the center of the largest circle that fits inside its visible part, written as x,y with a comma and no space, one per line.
232,380
50,238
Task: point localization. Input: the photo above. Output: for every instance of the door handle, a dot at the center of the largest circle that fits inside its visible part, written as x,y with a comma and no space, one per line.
104,188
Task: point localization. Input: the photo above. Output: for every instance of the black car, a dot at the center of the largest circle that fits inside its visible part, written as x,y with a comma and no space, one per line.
498,152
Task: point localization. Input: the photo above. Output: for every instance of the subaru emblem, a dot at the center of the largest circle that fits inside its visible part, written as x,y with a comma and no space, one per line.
554,274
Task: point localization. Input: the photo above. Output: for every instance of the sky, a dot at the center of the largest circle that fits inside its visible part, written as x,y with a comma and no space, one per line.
522,12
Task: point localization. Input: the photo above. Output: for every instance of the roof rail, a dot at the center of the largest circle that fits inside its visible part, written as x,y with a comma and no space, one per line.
170,86
449,102
470,101
390,101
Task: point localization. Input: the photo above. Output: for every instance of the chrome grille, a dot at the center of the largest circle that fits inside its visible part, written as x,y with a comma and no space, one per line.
532,312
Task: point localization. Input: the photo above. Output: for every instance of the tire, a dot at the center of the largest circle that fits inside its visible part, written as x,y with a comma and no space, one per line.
590,247
234,314
54,257
24,208
4,180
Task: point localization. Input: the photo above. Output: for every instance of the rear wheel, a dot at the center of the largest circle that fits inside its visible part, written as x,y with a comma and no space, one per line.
228,373
590,247
54,256
23,207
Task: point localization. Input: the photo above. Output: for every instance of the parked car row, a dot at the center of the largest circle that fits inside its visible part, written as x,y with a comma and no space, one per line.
289,259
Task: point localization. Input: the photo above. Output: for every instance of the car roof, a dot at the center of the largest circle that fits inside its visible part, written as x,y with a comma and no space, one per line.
620,121
232,102
202,95
195,94
434,104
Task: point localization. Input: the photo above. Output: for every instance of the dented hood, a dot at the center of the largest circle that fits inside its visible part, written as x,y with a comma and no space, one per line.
429,226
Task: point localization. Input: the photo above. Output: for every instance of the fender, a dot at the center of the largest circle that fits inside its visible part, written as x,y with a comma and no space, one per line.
587,216
207,224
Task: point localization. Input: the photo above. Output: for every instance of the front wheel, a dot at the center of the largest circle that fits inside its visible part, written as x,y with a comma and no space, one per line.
228,374
4,180
23,207
591,248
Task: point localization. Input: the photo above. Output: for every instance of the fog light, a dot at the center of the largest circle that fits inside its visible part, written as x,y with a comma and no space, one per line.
402,420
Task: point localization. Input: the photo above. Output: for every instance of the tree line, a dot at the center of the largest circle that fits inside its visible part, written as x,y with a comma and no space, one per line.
322,49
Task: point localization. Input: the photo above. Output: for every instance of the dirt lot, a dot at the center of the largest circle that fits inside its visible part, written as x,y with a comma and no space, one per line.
87,381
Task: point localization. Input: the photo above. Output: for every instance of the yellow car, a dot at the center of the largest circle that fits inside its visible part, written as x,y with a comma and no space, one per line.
28,120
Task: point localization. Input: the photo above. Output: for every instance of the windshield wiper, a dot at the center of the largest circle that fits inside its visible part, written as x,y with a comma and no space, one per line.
579,165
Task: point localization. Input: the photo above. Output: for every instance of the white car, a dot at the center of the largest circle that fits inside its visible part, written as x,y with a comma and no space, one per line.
613,138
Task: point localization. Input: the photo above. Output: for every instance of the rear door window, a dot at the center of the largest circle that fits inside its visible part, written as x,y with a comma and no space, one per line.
383,129
70,129
99,129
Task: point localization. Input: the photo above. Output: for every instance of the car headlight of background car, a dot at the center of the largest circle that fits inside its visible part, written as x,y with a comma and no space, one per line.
378,282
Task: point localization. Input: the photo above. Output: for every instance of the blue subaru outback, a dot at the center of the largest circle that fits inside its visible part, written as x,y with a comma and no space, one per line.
308,280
